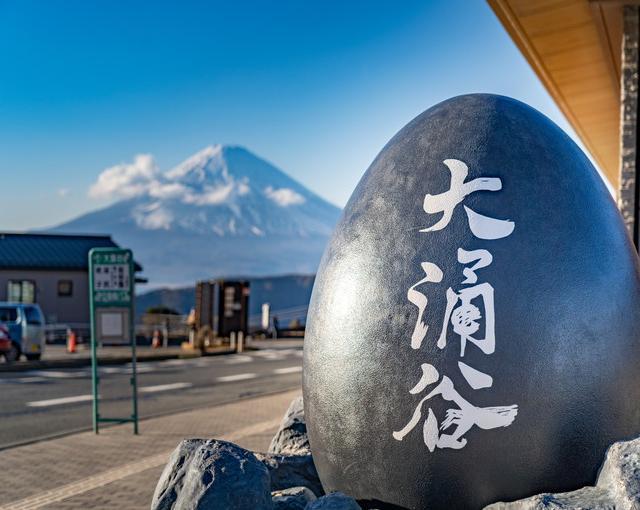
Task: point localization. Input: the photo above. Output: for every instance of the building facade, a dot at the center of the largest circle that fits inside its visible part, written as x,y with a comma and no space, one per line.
50,270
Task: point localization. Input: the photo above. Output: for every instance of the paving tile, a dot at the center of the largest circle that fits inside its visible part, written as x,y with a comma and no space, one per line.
75,471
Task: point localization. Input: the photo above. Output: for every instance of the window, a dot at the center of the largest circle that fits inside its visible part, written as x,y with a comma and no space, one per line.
8,314
21,291
65,288
33,315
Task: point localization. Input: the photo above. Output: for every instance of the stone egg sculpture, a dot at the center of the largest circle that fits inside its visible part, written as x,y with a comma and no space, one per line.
473,333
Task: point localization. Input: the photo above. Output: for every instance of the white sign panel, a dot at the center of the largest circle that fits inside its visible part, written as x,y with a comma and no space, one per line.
111,277
112,324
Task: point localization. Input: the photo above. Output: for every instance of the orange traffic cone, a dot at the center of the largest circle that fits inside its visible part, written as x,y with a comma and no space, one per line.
71,341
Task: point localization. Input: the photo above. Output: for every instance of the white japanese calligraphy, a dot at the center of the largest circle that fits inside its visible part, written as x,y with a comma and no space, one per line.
465,310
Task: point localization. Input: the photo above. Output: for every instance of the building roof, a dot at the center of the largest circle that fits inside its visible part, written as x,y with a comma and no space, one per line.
574,48
50,251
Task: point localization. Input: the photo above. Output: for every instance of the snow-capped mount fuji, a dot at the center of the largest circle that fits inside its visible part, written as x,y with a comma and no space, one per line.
223,211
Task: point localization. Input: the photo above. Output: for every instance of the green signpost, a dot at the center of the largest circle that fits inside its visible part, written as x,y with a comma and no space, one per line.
111,290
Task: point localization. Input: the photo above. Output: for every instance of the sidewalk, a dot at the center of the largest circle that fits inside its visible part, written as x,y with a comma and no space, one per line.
119,470
56,356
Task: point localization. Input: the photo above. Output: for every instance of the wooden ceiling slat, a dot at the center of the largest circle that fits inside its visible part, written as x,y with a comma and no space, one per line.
553,20
565,40
564,43
526,7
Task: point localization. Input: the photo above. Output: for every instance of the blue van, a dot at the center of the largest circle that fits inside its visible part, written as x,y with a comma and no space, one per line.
26,329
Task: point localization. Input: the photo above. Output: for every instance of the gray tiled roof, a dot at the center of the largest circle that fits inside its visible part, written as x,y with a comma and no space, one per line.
50,251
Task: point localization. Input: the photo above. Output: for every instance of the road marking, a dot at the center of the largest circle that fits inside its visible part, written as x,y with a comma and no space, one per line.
165,387
236,377
238,358
58,374
29,380
287,370
268,353
178,362
72,489
22,380
60,401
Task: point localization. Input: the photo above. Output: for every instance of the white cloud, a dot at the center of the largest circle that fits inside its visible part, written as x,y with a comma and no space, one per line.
210,195
284,197
143,178
166,190
125,180
153,217
62,192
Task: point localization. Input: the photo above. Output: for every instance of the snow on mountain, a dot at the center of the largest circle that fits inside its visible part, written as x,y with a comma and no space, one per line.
223,211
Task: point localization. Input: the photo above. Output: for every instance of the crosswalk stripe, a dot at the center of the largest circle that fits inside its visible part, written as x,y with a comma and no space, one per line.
236,377
238,358
60,401
164,387
23,380
287,370
54,374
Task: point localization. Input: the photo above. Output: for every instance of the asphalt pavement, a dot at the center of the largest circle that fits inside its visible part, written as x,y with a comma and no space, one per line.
39,404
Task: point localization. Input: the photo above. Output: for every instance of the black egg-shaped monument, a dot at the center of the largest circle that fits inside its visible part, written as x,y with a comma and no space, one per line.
473,334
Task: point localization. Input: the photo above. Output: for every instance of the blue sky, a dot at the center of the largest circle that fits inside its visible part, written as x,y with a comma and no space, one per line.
317,88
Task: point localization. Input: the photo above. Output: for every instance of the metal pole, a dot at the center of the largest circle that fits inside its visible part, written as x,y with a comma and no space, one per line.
132,336
94,353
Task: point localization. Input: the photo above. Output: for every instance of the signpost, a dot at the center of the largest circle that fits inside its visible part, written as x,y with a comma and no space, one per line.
111,293
233,307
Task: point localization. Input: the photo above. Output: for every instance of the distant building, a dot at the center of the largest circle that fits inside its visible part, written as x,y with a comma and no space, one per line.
51,270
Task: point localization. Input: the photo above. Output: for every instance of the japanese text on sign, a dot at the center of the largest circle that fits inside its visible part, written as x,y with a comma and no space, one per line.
463,316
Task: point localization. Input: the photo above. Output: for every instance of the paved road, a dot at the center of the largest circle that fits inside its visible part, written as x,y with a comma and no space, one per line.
43,403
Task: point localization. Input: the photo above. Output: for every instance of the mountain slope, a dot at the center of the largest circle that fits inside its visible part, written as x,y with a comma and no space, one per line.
223,211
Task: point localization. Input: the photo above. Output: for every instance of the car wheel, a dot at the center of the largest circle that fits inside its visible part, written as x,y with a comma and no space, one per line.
33,357
13,354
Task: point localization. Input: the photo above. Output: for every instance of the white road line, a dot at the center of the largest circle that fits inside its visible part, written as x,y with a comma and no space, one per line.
238,358
178,362
29,380
165,387
22,380
236,377
60,401
58,375
140,369
287,370
112,370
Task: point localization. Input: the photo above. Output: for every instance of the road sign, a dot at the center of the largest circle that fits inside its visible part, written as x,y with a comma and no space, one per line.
233,307
111,294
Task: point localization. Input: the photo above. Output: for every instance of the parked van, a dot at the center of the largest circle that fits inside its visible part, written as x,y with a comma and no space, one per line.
26,326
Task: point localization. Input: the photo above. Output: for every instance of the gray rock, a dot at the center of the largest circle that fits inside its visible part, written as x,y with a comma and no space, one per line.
291,438
334,501
295,498
288,471
618,486
209,474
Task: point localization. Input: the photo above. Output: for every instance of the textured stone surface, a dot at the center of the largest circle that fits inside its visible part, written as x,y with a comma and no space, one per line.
418,397
291,471
334,501
295,498
618,486
628,121
291,438
209,474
